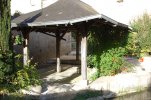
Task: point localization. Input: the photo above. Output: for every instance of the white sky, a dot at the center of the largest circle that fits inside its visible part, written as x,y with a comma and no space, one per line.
122,12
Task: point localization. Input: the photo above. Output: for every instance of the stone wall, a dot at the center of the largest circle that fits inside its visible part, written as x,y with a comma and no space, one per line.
124,83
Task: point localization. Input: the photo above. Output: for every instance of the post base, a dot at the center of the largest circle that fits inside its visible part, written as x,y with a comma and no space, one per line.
84,83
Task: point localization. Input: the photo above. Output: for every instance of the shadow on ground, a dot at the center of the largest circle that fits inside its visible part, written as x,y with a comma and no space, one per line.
80,95
72,95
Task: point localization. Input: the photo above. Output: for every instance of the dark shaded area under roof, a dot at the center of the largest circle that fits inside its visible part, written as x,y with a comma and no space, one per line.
61,12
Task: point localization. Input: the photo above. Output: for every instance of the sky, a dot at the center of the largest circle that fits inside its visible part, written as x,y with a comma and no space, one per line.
123,12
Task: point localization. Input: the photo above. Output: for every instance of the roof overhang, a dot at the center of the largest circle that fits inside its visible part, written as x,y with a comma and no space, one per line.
72,21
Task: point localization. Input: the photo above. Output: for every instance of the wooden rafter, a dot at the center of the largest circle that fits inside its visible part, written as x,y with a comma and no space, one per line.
53,35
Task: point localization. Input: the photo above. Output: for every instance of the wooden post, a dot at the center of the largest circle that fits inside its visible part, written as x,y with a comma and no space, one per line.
84,56
25,47
77,46
58,52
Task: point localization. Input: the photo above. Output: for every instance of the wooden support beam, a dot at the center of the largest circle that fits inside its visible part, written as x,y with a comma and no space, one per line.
83,58
58,44
25,47
62,35
77,46
84,54
58,52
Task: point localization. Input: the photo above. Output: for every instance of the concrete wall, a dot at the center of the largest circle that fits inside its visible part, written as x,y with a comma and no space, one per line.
135,81
42,47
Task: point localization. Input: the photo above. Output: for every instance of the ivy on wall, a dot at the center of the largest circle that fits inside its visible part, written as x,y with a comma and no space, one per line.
106,49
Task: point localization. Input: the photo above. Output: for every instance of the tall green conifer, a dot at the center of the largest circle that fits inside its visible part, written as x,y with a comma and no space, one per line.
7,67
5,25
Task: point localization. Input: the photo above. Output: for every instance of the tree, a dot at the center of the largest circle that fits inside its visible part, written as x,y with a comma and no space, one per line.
5,25
141,28
6,48
13,75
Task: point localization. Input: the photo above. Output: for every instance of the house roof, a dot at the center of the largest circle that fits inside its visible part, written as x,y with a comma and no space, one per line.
61,12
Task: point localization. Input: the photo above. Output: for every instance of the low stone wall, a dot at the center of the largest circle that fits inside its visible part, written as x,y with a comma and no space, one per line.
124,83
146,64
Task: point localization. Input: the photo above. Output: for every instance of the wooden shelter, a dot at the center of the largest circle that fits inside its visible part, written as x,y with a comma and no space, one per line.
58,18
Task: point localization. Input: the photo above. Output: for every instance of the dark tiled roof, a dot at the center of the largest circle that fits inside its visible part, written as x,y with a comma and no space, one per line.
61,12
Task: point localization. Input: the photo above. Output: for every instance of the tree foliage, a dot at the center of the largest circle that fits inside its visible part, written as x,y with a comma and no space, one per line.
141,34
6,50
5,25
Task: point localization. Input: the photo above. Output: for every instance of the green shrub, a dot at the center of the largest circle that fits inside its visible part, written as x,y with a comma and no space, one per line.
26,76
14,79
112,61
6,69
106,50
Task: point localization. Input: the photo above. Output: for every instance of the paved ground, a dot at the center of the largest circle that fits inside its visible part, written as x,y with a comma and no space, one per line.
58,86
